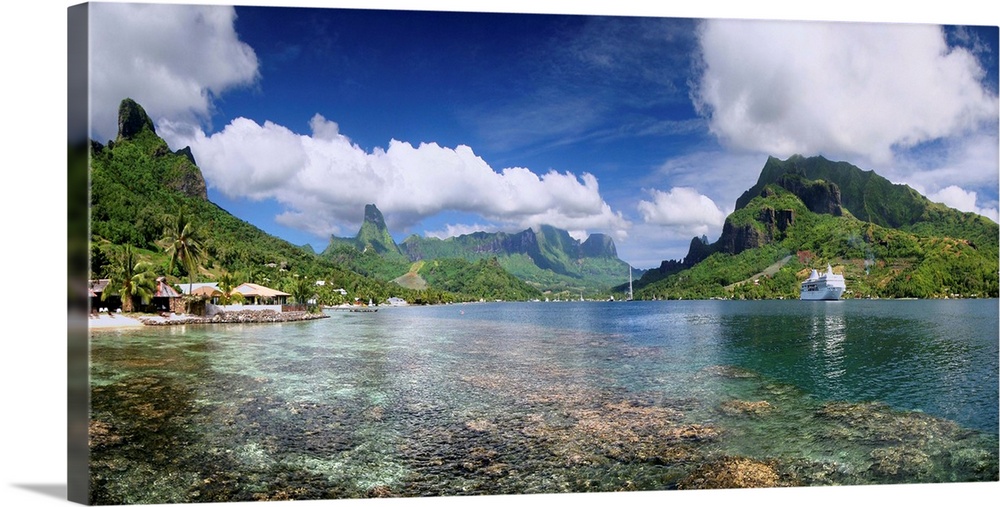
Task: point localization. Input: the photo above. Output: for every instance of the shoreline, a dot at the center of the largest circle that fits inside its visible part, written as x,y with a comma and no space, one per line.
113,321
134,321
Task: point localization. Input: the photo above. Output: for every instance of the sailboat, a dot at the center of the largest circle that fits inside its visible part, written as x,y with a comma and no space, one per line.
629,298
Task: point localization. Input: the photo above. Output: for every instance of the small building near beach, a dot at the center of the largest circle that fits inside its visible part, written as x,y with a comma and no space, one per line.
98,301
199,288
209,291
260,295
255,297
166,298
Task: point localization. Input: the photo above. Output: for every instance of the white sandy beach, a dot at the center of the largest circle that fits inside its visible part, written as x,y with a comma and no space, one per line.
106,321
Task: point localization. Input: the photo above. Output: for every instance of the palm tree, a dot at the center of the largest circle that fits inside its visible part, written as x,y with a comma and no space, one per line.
227,286
130,278
252,273
184,245
302,289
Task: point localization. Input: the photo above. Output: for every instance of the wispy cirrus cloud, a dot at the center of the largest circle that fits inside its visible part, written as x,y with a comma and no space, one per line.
597,78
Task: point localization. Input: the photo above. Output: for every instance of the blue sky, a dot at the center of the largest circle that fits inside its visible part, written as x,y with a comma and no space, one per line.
644,128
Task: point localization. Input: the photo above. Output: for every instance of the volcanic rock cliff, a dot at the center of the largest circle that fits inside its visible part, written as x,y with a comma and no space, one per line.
176,170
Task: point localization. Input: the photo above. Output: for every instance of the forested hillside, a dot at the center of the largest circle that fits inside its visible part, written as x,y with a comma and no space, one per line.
804,213
140,190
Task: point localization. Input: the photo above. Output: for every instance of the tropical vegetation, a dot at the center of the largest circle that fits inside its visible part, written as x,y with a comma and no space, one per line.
150,216
130,278
905,246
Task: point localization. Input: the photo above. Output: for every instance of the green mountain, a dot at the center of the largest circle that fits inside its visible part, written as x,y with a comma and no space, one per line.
803,213
374,253
874,199
484,279
137,184
548,258
373,235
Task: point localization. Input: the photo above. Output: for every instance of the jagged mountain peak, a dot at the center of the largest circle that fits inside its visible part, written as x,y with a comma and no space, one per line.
132,120
373,235
599,245
546,255
176,170
374,216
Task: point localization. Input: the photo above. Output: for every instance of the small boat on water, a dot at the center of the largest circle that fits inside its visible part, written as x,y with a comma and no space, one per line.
629,283
823,287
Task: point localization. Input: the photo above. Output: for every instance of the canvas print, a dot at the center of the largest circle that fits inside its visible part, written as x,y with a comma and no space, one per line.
341,253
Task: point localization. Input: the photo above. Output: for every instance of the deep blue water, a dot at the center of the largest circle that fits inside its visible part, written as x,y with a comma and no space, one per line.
938,356
546,397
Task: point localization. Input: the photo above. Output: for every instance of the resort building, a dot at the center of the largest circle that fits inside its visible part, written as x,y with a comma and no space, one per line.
255,297
253,294
199,288
95,291
260,295
166,298
395,301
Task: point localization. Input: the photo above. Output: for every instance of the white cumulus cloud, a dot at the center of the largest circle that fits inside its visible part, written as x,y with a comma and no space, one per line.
172,59
682,209
454,230
962,200
853,90
323,179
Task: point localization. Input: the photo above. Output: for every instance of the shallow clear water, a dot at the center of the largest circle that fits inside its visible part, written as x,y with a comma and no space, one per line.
547,397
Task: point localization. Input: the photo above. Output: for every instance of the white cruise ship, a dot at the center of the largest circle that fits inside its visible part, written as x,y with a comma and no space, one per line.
823,287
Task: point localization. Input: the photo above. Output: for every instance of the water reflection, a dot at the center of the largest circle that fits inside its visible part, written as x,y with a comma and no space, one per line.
829,330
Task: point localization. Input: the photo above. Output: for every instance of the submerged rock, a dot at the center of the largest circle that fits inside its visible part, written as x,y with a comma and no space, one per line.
102,434
878,423
732,472
740,407
900,462
380,491
728,371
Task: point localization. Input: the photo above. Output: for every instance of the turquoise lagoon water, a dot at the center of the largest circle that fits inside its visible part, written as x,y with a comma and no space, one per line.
513,398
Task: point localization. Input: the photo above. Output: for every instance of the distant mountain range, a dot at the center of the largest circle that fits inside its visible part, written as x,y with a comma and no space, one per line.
548,258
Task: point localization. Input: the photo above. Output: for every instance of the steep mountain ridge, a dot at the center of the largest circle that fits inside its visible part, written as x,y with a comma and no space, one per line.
547,257
373,235
869,197
137,184
834,212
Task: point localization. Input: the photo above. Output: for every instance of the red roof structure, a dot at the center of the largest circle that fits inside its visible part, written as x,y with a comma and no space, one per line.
164,290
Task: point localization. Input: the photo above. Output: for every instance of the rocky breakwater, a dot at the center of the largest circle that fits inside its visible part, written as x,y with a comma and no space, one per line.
237,317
